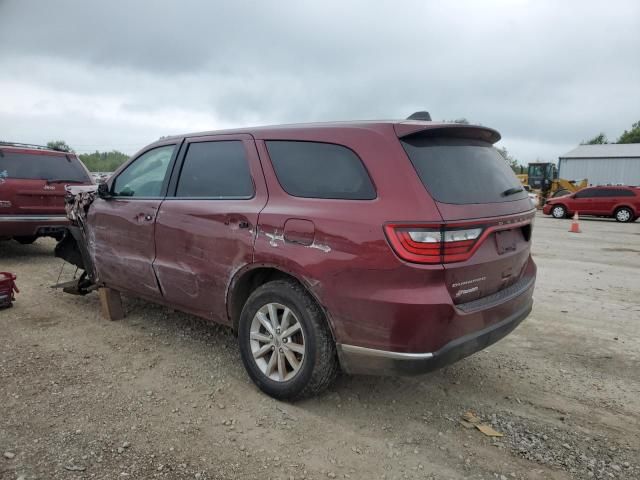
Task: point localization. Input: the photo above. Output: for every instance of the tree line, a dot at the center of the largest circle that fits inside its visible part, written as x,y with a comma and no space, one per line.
96,161
628,136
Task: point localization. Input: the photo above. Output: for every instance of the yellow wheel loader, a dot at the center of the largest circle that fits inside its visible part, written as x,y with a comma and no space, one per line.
542,179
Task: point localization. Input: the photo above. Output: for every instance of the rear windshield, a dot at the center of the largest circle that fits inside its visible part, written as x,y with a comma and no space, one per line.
41,167
463,171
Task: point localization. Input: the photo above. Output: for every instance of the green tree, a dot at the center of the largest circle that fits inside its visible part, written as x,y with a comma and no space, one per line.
59,145
631,136
599,139
103,161
511,160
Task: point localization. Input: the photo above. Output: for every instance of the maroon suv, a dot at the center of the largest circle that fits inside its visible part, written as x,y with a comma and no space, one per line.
32,190
380,247
619,202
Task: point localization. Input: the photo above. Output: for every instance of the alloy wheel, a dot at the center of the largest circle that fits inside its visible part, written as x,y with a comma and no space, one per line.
277,342
623,215
558,212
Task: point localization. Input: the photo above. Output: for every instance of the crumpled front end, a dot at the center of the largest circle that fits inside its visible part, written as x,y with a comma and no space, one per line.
76,245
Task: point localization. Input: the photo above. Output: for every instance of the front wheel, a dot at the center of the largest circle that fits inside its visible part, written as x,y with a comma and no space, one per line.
624,215
558,211
285,342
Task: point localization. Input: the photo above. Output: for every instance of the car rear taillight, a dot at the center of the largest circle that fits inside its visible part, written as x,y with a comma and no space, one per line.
432,243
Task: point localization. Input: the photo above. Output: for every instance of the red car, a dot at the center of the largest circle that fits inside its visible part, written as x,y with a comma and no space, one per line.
372,247
621,203
32,190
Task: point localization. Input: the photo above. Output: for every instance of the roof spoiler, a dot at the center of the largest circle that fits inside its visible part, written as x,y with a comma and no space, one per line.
424,116
456,130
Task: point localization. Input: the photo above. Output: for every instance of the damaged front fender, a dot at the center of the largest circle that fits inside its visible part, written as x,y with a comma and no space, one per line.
74,246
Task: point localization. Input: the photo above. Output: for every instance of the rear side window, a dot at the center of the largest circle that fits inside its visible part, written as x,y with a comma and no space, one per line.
41,167
615,192
215,170
320,170
463,171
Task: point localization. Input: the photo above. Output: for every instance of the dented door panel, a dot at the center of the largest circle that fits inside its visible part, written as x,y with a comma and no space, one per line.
202,242
122,243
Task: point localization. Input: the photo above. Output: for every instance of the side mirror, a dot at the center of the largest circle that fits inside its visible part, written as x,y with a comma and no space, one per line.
103,191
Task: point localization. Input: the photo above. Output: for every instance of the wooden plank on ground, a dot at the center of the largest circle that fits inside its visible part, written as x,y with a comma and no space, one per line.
111,303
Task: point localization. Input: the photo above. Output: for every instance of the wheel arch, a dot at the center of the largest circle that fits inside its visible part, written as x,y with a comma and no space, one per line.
252,276
634,211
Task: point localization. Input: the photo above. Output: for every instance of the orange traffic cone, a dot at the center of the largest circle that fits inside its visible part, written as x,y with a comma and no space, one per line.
575,226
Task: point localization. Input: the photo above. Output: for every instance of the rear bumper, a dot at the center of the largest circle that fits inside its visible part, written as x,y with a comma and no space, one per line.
354,359
28,225
472,327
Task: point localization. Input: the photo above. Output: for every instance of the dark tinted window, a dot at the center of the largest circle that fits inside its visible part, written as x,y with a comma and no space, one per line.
215,170
587,193
145,176
462,171
42,167
614,192
320,170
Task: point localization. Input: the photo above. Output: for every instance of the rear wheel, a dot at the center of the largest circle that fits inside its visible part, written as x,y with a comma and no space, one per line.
558,211
285,342
624,215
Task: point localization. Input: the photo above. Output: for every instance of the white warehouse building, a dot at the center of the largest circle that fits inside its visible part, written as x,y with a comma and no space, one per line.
609,164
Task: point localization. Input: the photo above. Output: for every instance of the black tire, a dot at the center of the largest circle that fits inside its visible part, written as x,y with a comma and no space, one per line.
26,240
320,363
558,211
624,215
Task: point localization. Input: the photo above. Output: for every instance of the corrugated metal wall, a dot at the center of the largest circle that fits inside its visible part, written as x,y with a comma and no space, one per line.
601,171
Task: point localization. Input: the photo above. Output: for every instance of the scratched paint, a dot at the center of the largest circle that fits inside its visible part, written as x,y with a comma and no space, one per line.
275,237
320,246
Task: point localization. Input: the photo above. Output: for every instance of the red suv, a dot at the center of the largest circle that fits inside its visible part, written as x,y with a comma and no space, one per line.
621,203
32,190
375,247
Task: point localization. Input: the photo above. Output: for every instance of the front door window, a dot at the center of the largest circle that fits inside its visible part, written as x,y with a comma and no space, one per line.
146,175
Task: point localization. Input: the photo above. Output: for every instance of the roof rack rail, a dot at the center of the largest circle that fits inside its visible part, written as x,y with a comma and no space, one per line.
28,145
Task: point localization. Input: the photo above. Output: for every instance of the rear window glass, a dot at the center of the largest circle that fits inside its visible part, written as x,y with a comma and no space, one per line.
463,171
215,170
41,167
320,170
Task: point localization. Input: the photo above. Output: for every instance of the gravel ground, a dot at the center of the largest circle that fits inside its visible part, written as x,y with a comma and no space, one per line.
161,394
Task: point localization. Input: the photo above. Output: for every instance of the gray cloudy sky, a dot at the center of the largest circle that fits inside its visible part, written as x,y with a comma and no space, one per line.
119,74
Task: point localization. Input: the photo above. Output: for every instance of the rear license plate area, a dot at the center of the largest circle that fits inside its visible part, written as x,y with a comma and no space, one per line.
506,241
